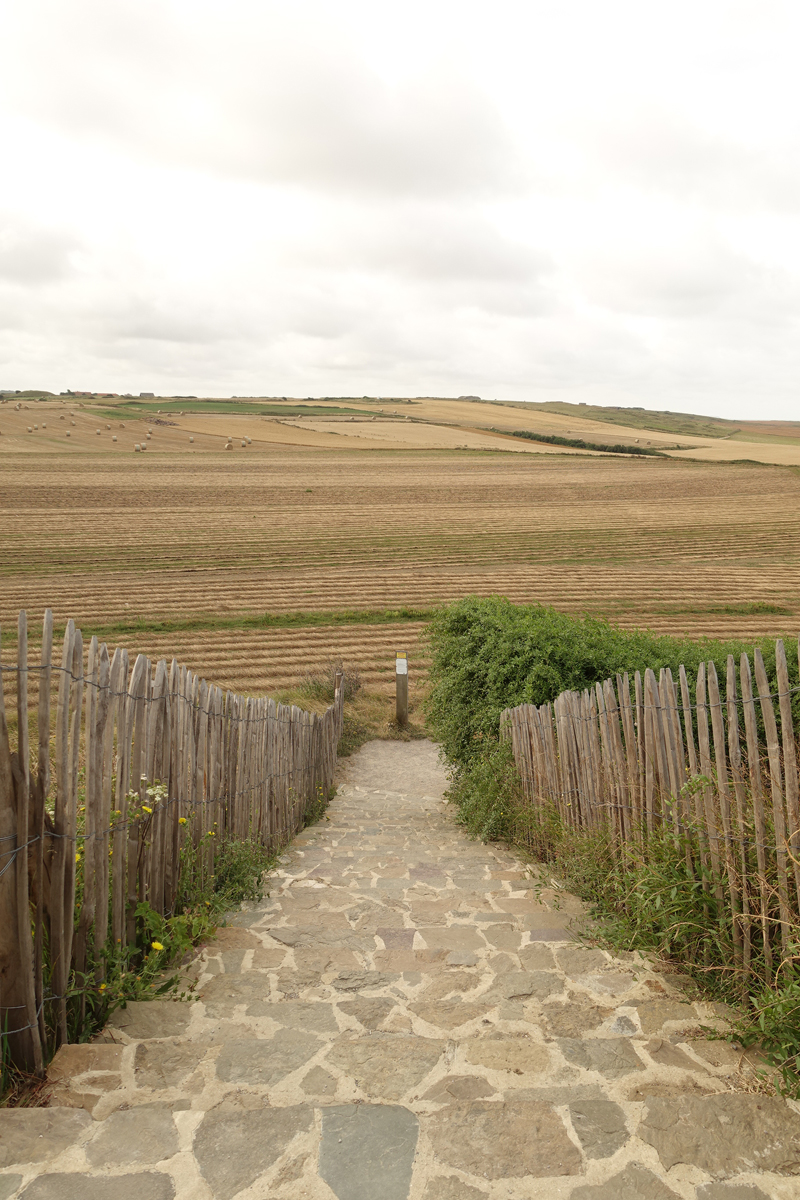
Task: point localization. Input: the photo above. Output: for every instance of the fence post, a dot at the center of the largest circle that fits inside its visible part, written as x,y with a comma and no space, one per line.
401,687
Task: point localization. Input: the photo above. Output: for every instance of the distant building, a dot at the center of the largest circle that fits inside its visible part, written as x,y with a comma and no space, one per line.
147,395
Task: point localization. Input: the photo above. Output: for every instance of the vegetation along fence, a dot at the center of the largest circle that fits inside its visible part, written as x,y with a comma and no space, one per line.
716,773
144,759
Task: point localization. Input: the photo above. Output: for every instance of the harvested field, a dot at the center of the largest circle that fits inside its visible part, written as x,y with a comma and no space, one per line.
214,540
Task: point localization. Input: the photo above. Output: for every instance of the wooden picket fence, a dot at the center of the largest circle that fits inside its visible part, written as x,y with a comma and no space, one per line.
717,772
144,756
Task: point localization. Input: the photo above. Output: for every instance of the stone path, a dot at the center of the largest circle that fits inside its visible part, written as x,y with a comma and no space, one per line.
404,1018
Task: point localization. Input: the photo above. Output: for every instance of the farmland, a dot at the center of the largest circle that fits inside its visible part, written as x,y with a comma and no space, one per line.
255,565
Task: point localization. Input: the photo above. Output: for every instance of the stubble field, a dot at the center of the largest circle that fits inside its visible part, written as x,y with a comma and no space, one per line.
326,547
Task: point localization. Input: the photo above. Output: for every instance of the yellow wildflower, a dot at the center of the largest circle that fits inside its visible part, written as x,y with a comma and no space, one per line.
157,945
146,809
77,858
181,820
103,987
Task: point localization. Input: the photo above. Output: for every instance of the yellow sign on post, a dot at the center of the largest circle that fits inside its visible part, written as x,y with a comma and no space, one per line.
401,687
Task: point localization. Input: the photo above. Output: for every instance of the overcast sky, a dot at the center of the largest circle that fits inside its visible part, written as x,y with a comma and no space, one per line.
574,199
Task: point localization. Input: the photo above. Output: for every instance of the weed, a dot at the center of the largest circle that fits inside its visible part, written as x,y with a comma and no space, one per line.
320,684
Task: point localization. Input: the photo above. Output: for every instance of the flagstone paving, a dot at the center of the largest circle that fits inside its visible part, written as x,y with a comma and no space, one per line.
406,1017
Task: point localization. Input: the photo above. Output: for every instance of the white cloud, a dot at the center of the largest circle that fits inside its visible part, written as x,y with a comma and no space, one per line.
533,200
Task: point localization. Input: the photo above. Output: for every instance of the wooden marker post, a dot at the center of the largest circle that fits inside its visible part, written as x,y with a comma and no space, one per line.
401,683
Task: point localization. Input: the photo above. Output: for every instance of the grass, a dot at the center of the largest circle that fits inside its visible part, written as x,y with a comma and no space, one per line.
752,608
208,624
155,408
686,424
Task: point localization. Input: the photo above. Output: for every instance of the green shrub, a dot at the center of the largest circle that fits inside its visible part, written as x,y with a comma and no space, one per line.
489,654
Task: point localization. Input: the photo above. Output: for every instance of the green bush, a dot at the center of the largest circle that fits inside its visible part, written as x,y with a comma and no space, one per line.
489,654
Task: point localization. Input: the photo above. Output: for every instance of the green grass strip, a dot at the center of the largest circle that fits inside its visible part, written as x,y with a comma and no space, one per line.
288,620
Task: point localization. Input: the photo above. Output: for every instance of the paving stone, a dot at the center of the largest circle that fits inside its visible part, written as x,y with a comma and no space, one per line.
144,1185
460,1087
549,933
318,1083
143,1134
654,1013
612,1057
296,1014
600,1126
668,1055
503,937
668,1089
264,1062
234,1149
724,1134
34,1135
8,1185
152,1018
731,1191
720,1054
313,938
232,961
518,1054
522,984
461,958
503,1141
291,1171
611,983
623,1026
396,939
450,1187
222,993
166,1064
577,960
449,1014
501,964
537,957
574,1018
227,938
356,981
77,1059
368,1011
386,1066
367,1150
268,959
451,981
452,937
634,1183
303,976
571,1093
243,920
